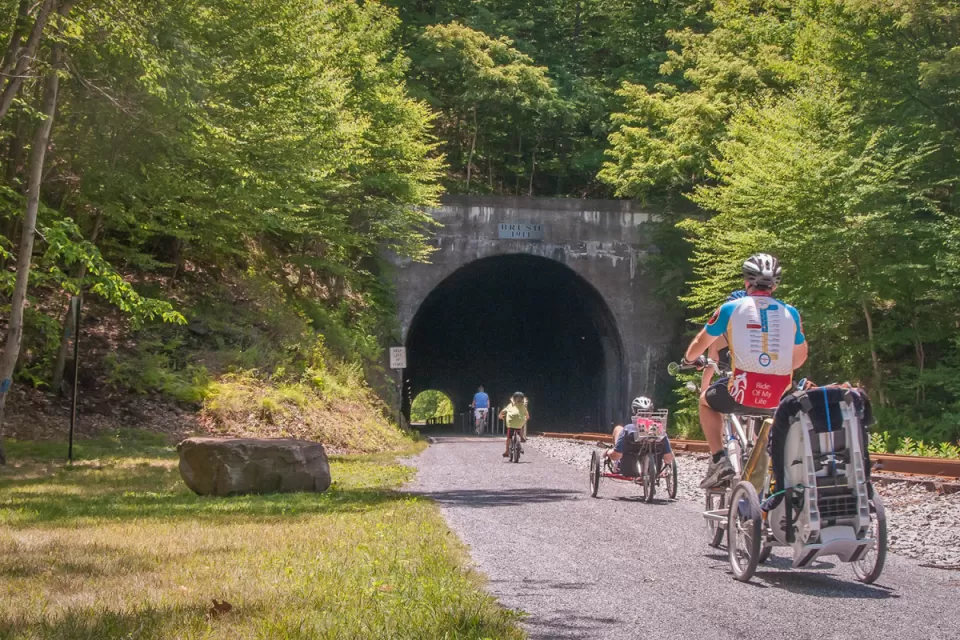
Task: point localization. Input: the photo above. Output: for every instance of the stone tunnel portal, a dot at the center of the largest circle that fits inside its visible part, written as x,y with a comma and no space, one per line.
521,322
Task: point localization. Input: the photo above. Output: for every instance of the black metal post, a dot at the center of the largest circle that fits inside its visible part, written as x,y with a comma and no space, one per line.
76,370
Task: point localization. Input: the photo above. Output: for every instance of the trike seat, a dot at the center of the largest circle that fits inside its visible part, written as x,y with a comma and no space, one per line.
820,468
635,446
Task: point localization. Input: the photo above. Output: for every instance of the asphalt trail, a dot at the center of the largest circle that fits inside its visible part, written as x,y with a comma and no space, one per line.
614,567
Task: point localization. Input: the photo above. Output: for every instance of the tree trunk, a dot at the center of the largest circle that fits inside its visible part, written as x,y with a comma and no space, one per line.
473,145
25,56
921,362
878,378
38,151
16,38
69,322
533,168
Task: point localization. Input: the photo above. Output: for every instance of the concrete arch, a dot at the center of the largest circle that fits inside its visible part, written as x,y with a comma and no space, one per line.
604,243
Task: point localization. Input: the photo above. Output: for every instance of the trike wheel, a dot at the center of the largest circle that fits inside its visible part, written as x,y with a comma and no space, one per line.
715,502
594,474
743,531
649,474
869,567
672,480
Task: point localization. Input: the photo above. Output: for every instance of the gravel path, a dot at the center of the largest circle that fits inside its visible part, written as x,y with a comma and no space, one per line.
615,567
921,524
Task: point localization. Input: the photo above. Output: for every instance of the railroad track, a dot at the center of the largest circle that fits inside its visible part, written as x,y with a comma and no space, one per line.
936,474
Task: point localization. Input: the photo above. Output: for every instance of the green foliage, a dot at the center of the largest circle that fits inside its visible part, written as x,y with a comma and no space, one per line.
217,140
582,51
489,94
430,404
154,368
825,133
64,248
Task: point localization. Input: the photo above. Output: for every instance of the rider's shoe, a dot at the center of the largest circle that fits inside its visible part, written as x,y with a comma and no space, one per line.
717,472
506,455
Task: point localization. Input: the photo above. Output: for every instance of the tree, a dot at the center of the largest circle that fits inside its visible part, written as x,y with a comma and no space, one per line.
489,94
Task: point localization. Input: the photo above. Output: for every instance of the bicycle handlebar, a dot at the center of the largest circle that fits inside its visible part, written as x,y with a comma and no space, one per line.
702,363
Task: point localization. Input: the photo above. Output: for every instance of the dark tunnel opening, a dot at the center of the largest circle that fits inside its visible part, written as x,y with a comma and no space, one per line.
521,322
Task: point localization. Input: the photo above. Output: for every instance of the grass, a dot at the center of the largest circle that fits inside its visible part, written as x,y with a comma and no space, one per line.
338,409
116,547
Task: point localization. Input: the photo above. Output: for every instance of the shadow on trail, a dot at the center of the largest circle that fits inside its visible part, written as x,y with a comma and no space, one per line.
480,498
777,573
570,624
823,585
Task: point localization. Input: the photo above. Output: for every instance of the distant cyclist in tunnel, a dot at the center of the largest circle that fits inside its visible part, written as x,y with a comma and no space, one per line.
480,406
515,415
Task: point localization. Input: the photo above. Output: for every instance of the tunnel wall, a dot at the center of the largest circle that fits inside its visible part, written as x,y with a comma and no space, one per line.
606,242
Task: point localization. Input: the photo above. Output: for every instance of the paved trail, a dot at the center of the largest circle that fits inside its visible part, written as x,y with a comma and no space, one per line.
614,567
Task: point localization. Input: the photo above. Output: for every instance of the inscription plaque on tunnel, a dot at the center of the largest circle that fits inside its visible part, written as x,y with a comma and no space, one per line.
520,231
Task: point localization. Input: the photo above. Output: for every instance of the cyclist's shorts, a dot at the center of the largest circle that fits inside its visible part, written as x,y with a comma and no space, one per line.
622,439
719,399
479,413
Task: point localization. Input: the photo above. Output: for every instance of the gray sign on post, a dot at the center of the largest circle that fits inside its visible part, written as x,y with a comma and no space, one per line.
398,357
520,231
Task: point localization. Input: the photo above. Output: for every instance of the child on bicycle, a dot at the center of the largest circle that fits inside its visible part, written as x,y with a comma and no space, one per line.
515,415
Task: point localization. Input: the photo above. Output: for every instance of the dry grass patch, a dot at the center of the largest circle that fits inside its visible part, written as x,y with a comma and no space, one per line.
118,547
333,407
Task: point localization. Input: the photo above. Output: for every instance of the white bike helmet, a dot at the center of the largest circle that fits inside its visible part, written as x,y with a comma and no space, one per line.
642,403
762,271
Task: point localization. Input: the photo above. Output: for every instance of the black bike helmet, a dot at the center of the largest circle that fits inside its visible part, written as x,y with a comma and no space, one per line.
517,394
762,271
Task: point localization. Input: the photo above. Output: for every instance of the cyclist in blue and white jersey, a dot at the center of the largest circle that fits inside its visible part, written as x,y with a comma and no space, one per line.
766,342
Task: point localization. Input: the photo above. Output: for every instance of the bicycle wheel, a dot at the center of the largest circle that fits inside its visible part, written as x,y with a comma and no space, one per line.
594,474
715,502
515,448
743,531
765,549
672,480
869,567
648,471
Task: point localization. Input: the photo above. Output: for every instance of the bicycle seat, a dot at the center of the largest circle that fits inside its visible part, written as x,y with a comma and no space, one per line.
757,413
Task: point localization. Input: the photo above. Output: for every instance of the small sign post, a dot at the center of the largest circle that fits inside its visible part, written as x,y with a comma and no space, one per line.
398,361
75,308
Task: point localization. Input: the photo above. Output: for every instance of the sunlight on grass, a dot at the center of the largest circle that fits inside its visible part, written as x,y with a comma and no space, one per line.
116,546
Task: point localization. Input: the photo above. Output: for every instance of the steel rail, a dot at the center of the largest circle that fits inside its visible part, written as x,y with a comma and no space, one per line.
883,462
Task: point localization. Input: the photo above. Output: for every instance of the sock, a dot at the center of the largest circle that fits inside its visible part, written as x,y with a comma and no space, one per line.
718,455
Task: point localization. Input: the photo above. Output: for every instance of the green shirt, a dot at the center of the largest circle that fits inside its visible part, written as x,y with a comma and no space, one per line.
515,415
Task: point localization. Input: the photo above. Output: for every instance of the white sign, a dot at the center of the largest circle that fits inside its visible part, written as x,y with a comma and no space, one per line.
520,231
398,357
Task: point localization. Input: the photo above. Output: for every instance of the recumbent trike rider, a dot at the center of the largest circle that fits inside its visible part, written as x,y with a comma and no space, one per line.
641,453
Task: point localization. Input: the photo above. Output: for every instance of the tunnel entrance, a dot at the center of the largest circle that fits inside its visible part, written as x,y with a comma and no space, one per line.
521,322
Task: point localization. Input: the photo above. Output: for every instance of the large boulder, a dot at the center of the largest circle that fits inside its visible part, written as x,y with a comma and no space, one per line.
230,466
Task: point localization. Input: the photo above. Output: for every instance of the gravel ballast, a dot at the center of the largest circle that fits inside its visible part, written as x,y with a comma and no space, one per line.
921,524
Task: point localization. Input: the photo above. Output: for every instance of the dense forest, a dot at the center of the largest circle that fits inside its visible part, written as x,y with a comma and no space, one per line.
222,175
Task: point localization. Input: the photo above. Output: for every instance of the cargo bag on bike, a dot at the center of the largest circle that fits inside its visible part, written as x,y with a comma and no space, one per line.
635,447
820,468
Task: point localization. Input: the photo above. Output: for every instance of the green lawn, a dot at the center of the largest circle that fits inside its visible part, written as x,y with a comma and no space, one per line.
116,546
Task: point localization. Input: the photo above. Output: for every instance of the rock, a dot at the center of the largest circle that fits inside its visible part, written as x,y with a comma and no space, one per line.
230,466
